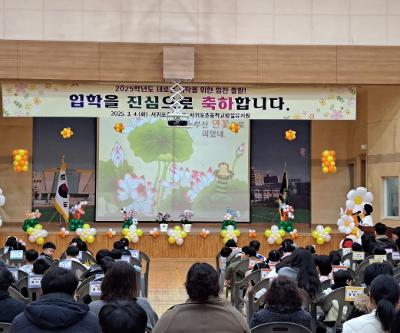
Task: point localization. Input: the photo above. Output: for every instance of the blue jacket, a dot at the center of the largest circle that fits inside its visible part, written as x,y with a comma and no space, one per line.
9,307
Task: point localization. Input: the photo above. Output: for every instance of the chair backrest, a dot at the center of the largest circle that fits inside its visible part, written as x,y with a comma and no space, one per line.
76,267
14,293
361,269
217,266
348,257
23,287
85,290
396,271
397,277
144,261
84,258
13,262
239,287
337,295
5,327
86,281
326,284
254,302
280,327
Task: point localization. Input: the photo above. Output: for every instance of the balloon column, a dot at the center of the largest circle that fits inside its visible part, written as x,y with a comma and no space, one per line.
322,235
252,233
32,227
77,211
63,232
20,160
274,235
204,233
111,233
229,229
86,233
129,217
2,202
328,159
176,235
130,228
287,217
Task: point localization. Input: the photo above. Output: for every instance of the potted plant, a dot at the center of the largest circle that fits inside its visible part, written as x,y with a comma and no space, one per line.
163,220
186,218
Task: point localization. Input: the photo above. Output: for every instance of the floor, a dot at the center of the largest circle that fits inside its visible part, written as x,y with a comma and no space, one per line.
166,281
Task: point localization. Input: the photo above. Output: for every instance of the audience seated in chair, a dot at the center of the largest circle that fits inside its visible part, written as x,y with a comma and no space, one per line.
361,302
273,259
256,245
122,316
335,258
119,283
283,303
80,244
96,268
72,253
381,239
311,248
324,267
247,252
9,307
57,310
30,257
40,266
204,311
384,296
48,250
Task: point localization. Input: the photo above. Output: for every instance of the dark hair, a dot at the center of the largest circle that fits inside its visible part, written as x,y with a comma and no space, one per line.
59,280
256,244
119,282
357,247
347,243
310,248
40,266
368,242
335,257
385,292
396,231
17,246
10,241
283,295
123,316
119,245
307,277
287,246
125,241
249,251
6,278
231,243
226,252
202,282
106,263
274,256
378,250
396,323
376,269
380,228
324,264
72,251
31,255
81,245
116,254
125,252
341,277
49,245
368,209
101,254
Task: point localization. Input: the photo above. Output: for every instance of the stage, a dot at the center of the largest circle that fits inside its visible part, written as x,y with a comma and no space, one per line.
193,247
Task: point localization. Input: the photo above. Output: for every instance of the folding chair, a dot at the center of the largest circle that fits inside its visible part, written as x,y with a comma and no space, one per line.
76,267
240,269
253,304
33,293
5,327
14,293
280,327
13,262
326,284
239,288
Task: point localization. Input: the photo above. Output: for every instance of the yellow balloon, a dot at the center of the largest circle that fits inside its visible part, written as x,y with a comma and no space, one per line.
236,232
315,234
223,233
328,230
139,232
18,158
86,226
25,168
325,153
90,239
329,158
225,239
279,240
21,152
320,241
354,231
282,232
268,233
171,240
125,231
38,227
325,170
29,230
40,241
177,227
183,234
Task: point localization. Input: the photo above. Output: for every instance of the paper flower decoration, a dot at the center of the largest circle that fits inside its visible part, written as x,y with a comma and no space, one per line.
328,159
154,232
346,224
133,233
229,229
63,232
322,235
176,235
111,233
356,199
234,127
275,235
37,234
20,160
204,233
119,127
66,133
294,234
129,217
252,233
86,233
290,135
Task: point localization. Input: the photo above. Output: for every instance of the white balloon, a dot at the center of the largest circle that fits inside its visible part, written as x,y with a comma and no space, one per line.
2,200
230,228
270,240
170,232
327,238
179,241
135,239
368,197
274,228
351,194
1,221
32,238
1,191
319,228
350,204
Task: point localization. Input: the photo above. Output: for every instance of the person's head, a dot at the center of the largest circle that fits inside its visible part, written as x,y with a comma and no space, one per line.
380,229
31,255
379,250
59,280
202,282
283,295
6,278
368,209
10,241
81,245
231,243
357,247
122,316
18,246
335,258
376,269
226,252
384,295
249,251
274,256
116,254
40,266
396,233
101,254
287,246
119,282
119,245
125,252
72,251
346,243
48,249
125,241
74,241
368,242
310,248
342,278
255,244
307,276
324,265
106,263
